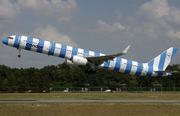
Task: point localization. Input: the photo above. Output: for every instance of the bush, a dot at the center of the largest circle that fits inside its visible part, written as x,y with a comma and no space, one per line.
59,88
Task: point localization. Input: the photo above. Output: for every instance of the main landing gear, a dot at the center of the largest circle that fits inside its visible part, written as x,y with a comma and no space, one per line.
90,68
19,53
90,71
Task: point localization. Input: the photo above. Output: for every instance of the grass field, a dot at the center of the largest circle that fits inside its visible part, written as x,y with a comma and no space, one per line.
89,109
89,95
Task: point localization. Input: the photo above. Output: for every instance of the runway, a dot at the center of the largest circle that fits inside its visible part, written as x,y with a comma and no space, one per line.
90,101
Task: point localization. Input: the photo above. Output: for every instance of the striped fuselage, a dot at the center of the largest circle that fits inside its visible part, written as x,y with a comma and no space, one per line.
67,52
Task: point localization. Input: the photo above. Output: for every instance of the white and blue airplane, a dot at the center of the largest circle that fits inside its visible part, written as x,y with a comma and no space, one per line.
81,57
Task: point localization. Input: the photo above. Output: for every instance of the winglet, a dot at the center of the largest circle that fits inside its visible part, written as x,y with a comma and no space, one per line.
125,51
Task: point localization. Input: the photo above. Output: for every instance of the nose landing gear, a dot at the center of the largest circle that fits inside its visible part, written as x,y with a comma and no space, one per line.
19,53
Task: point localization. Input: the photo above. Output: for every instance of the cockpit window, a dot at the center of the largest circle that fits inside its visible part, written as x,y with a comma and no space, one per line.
10,38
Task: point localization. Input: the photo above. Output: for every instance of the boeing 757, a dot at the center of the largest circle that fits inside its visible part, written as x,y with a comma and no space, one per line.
81,57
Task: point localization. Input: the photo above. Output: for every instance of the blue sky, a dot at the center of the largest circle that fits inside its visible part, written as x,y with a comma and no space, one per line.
149,26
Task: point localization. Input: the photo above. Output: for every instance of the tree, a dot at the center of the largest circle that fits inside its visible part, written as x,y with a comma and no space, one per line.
5,85
22,84
35,82
40,82
61,75
132,82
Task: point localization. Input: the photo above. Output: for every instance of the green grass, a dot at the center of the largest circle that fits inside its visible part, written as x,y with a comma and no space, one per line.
89,95
90,109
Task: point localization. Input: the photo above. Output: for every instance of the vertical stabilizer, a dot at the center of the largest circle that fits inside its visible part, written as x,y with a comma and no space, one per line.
162,61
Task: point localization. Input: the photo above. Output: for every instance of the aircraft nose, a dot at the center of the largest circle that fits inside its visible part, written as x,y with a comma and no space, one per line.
5,41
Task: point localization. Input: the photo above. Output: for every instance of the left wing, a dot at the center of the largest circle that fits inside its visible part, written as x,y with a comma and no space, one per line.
101,59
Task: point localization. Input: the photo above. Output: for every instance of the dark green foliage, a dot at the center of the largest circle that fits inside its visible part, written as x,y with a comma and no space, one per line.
39,82
62,76
5,85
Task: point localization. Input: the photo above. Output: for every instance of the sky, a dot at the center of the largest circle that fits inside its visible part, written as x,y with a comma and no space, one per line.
106,26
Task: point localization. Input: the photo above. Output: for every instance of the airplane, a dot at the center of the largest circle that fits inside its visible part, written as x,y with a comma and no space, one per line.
81,57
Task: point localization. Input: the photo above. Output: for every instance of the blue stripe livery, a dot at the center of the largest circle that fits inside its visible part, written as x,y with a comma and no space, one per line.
151,63
174,52
150,71
41,44
139,69
117,65
162,60
128,66
74,52
86,53
97,54
29,43
160,74
106,64
17,41
63,51
52,48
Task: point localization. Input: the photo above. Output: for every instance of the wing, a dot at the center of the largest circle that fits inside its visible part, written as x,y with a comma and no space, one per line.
101,59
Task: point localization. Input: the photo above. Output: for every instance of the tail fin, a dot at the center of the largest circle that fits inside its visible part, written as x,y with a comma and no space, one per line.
162,61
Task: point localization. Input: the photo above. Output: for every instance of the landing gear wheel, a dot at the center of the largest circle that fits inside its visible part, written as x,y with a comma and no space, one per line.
90,71
19,56
19,53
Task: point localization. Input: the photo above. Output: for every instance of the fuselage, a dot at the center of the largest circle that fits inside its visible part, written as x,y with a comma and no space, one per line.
67,52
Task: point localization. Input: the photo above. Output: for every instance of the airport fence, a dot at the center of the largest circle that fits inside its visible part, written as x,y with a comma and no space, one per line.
81,89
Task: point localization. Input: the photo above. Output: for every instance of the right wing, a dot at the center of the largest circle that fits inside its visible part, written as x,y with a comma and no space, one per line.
101,59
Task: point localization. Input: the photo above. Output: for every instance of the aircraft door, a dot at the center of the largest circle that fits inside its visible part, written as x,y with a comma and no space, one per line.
144,71
19,39
50,46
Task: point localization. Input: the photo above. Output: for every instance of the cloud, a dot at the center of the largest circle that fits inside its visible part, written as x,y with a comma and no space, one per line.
59,9
9,11
118,14
51,34
103,27
115,31
172,34
131,20
153,10
159,20
148,30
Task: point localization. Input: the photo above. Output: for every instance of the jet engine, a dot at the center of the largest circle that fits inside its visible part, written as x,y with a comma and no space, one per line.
68,62
80,61
77,61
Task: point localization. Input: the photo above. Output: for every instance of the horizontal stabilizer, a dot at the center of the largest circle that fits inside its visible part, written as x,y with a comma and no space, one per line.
167,71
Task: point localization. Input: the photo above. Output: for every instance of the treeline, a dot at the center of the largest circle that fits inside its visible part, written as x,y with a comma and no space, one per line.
62,76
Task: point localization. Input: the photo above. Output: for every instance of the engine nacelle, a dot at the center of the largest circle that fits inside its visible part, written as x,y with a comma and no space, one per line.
80,61
68,62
